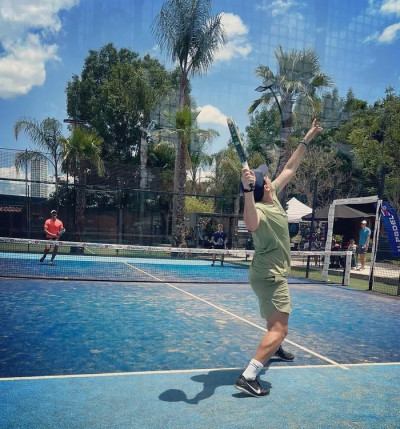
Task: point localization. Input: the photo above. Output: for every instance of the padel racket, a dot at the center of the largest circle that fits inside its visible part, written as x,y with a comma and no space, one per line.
59,234
238,143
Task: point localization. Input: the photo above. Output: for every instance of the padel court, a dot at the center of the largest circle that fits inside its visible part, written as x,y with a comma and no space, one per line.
81,354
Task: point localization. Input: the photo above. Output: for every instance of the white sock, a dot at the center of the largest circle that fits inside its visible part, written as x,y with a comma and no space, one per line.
253,370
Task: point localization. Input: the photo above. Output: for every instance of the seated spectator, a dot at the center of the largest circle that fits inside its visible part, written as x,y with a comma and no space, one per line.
353,247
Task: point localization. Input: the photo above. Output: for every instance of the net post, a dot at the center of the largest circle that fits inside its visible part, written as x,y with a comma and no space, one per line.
310,239
398,286
375,241
347,269
331,218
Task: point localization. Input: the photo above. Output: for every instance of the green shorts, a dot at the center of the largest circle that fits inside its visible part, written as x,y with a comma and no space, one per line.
273,294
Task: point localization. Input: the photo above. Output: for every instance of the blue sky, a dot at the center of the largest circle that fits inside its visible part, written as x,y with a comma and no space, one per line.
44,42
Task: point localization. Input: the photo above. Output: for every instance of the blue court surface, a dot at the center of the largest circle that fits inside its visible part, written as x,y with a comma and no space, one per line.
162,355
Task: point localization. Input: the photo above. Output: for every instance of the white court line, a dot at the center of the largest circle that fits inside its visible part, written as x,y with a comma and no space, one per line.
189,371
373,363
242,319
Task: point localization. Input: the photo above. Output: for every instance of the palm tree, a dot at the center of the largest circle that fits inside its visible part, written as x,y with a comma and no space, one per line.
295,84
190,35
47,136
82,152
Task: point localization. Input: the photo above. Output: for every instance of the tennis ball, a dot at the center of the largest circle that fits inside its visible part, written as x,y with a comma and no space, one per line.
65,278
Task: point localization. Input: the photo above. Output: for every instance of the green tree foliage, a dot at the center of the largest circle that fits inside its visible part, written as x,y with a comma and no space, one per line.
262,136
295,83
375,137
333,110
198,151
161,158
326,161
82,153
190,35
198,205
227,172
115,95
325,166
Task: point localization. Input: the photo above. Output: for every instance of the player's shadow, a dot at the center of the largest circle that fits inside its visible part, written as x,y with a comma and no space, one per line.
211,381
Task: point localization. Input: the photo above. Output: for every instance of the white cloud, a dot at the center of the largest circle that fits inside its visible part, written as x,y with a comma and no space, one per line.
210,114
233,25
25,27
237,45
391,6
276,7
389,33
372,38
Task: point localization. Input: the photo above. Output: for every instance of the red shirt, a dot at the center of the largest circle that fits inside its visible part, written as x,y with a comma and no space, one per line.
53,226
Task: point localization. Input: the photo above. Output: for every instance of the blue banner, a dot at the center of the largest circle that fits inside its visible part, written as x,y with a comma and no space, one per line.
392,227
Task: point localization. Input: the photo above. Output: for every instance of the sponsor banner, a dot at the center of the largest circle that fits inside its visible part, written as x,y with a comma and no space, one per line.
392,227
10,209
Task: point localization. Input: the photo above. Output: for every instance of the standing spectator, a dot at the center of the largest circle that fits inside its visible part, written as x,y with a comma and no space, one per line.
314,246
363,243
218,240
200,235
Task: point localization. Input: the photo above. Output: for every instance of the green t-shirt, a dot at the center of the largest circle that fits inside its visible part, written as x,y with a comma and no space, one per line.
271,242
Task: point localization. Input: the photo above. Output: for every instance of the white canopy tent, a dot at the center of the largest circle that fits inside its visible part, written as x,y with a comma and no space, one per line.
296,210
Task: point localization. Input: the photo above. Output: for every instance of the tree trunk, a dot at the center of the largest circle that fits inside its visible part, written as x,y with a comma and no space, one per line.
236,221
80,205
285,151
143,174
178,204
56,187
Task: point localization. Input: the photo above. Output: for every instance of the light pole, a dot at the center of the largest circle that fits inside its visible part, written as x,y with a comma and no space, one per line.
269,85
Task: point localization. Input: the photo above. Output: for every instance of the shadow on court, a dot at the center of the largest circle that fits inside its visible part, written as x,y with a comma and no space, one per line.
211,381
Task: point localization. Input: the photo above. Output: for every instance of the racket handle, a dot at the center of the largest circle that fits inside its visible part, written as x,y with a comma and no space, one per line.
246,165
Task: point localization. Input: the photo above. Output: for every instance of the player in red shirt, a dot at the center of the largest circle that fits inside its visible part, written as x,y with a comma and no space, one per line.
53,229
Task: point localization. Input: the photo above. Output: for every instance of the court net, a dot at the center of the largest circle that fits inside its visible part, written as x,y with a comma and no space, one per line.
122,262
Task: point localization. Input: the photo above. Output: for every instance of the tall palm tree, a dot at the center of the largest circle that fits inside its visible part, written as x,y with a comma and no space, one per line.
190,35
296,82
82,151
47,136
